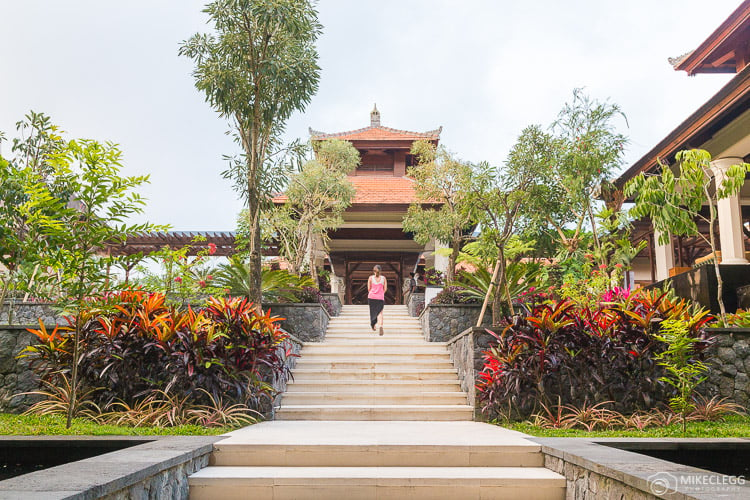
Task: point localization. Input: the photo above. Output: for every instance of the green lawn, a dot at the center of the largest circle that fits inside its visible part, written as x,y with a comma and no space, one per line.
53,425
733,426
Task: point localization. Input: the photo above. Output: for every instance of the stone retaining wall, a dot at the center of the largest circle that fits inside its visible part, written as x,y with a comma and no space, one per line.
442,322
335,301
729,366
149,471
15,375
597,468
585,484
307,322
28,313
280,384
466,354
414,301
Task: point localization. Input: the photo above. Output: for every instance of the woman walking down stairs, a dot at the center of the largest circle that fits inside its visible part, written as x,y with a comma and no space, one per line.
375,417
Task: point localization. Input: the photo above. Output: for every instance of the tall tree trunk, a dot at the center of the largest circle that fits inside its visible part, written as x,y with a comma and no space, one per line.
80,304
497,303
311,255
490,287
74,371
255,294
717,267
450,274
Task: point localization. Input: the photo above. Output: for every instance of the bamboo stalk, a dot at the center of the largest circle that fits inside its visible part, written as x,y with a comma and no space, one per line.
489,292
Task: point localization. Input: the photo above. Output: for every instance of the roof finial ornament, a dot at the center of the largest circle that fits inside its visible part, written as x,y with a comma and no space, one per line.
375,116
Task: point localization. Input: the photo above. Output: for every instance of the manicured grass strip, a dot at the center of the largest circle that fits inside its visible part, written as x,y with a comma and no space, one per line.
54,425
733,426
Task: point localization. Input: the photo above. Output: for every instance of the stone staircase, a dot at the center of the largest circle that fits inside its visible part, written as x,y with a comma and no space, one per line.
366,417
358,375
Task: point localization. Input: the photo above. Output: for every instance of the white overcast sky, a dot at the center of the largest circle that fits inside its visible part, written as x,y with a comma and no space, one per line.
483,69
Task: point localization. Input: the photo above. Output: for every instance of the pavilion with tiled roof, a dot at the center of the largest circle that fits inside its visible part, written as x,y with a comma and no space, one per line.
372,231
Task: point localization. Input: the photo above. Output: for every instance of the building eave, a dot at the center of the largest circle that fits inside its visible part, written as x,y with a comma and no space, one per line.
698,127
737,20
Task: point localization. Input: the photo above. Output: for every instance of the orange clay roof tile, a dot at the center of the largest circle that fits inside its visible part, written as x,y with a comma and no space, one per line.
373,190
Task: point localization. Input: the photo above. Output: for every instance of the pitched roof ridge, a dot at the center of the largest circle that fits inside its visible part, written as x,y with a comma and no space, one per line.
401,131
429,133
676,61
337,134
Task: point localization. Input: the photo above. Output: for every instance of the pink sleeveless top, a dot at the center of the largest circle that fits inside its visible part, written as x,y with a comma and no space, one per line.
377,290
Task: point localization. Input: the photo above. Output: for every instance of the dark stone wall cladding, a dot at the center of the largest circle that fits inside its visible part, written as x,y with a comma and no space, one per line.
307,322
15,375
28,313
585,484
442,322
335,301
466,354
280,384
729,366
414,302
170,483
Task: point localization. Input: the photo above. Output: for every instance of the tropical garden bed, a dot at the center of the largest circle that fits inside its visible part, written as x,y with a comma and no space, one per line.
730,426
55,425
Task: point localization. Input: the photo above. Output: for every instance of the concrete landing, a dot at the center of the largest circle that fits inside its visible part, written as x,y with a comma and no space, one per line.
376,459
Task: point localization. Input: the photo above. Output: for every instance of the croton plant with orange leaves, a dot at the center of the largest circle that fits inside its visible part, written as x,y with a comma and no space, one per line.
133,343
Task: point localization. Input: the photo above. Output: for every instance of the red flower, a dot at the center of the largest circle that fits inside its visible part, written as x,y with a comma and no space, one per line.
178,279
635,354
618,266
211,249
209,277
202,284
602,266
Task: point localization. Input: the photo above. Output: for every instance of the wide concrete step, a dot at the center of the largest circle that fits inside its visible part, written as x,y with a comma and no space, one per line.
406,357
387,318
374,386
381,398
301,374
388,334
348,339
366,329
365,347
375,412
411,333
375,455
384,364
373,443
354,483
366,317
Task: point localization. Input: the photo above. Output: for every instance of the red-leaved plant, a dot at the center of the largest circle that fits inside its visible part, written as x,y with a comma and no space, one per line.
573,355
134,343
